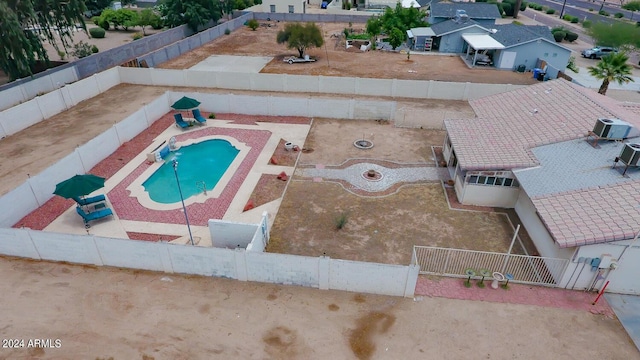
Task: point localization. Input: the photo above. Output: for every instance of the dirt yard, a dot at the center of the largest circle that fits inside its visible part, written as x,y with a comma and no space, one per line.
118,314
334,60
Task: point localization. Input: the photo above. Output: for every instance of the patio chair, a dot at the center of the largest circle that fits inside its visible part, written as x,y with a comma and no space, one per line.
90,200
180,121
86,217
199,118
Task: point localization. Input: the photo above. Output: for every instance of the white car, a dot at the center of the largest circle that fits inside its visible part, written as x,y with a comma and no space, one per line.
295,59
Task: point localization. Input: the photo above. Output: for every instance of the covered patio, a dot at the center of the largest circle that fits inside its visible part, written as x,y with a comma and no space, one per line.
478,48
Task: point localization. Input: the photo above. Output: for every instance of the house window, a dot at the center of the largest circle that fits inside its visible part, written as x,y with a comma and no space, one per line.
555,54
290,9
272,8
492,181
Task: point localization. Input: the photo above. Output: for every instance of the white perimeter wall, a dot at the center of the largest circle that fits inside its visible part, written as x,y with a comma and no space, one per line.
320,272
624,279
231,235
31,88
313,84
20,117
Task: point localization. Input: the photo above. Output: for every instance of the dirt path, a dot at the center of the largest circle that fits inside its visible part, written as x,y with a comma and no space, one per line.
107,313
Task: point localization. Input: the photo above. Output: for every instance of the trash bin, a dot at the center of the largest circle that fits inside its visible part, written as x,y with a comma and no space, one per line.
521,68
536,72
541,76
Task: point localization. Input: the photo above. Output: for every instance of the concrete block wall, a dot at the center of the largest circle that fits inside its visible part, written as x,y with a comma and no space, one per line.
317,272
231,235
26,89
345,18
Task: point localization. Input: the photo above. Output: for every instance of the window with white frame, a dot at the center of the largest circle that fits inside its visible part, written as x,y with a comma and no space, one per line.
272,8
290,9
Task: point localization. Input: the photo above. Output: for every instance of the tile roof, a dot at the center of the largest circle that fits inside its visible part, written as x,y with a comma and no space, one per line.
511,34
592,216
510,124
449,26
579,197
474,10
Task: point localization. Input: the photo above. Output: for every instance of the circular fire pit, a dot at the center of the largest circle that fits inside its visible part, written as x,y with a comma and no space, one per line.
363,144
372,175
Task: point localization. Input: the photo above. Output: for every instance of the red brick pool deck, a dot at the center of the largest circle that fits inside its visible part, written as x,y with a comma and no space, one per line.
451,288
128,208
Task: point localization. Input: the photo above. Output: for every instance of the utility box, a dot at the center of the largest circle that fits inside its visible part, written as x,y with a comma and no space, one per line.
605,261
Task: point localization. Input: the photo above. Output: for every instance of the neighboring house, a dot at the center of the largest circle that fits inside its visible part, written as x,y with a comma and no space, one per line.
285,6
527,149
448,34
527,45
484,14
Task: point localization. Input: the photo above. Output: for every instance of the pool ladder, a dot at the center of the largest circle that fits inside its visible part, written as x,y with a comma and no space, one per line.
202,186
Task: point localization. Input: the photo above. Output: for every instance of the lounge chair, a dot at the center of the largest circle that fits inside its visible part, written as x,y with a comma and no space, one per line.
90,200
86,217
180,121
199,118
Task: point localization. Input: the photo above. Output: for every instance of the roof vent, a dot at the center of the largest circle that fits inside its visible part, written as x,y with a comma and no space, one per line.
461,16
614,129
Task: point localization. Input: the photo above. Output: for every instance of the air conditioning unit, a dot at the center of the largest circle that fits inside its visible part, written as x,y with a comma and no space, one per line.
612,129
630,154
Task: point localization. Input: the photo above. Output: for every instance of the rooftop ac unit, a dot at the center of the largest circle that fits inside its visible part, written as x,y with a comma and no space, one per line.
612,129
630,154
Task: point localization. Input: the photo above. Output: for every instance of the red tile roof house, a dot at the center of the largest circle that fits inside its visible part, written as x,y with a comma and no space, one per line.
527,149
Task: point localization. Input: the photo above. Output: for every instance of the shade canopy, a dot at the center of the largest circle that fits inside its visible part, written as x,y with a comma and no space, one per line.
186,103
79,185
482,42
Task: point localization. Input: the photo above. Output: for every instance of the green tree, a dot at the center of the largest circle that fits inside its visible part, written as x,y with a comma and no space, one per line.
96,6
127,18
632,6
194,13
253,24
300,37
618,34
147,17
374,26
396,37
398,18
612,67
24,25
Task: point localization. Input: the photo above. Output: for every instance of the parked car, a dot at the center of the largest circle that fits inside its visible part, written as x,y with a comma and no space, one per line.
598,52
295,59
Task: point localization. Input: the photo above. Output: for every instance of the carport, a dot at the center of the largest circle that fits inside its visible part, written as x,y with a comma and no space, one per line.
480,42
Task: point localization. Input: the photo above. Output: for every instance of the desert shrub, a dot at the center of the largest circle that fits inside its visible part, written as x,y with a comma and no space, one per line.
538,7
104,24
591,9
253,24
531,5
227,31
81,50
559,35
137,36
566,17
212,116
62,54
551,11
618,15
97,33
516,22
586,24
94,49
574,20
96,20
571,36
341,220
603,13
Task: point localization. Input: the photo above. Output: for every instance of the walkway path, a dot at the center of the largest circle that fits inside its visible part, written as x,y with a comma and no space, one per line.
388,174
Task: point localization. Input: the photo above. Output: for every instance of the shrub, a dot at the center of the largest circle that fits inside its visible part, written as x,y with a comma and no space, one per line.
62,54
253,24
538,7
227,31
104,23
559,35
94,49
574,20
531,5
516,22
571,36
558,28
586,24
137,36
507,8
566,17
591,9
81,50
212,116
551,11
97,33
618,15
341,220
96,20
603,13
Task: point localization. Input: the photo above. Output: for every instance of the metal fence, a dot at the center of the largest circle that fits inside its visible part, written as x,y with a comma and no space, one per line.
454,263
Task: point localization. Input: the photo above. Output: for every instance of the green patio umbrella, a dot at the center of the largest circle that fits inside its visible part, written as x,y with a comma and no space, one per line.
79,185
186,103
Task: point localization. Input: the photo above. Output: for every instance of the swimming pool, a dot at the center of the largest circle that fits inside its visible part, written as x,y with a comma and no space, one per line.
200,166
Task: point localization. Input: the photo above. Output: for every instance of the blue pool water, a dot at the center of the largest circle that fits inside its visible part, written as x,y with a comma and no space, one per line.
205,161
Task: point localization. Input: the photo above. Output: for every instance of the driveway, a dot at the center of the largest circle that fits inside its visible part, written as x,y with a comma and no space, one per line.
627,309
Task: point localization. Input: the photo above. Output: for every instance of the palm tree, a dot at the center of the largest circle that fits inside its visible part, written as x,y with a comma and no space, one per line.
612,67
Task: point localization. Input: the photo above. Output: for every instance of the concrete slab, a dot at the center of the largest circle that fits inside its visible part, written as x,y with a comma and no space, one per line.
627,309
229,63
